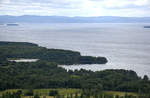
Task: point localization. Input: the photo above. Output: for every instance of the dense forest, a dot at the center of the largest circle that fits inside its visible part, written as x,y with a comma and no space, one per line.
33,51
45,73
48,75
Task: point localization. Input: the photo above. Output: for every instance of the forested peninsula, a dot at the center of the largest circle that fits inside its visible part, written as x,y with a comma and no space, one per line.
45,73
16,50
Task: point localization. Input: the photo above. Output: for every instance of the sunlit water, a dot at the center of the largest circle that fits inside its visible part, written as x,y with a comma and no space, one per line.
127,46
24,60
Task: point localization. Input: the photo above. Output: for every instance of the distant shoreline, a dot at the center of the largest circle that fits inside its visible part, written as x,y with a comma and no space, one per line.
65,19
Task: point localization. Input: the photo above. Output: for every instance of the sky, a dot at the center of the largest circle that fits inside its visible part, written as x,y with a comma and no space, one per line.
71,8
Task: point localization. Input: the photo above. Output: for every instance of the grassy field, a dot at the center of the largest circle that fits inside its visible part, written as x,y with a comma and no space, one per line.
119,93
45,92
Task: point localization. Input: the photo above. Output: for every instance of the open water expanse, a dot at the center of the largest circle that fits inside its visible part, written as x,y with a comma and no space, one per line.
126,46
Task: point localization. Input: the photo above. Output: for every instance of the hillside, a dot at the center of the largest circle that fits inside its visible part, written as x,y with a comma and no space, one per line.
46,73
64,19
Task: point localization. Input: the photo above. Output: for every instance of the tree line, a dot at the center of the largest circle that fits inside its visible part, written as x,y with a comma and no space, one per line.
43,74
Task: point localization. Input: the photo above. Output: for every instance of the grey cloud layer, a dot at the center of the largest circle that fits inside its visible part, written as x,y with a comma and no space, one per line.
76,7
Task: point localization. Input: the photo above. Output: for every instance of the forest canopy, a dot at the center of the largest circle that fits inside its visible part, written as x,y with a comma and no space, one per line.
45,73
33,51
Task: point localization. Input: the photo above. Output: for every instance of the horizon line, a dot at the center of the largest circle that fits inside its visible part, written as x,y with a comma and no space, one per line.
79,16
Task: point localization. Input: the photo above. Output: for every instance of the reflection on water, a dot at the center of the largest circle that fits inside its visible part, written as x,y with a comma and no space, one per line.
24,60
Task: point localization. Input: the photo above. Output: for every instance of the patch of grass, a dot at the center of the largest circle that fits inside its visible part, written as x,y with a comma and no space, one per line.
62,91
120,93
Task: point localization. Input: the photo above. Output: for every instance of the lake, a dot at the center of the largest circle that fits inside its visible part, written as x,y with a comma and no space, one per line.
127,46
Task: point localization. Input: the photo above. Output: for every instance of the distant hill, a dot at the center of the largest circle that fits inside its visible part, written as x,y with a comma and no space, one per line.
63,19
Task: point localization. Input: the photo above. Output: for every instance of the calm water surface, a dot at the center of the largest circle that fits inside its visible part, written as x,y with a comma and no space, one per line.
127,46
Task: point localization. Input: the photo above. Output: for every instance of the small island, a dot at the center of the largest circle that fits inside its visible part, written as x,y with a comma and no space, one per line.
146,26
12,24
23,50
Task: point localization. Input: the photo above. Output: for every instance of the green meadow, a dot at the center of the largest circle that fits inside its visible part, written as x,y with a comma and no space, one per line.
63,91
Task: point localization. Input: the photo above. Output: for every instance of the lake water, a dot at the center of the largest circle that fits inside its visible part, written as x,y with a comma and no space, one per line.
23,60
127,46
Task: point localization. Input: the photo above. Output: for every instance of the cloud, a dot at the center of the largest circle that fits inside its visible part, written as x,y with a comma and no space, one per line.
4,1
76,7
